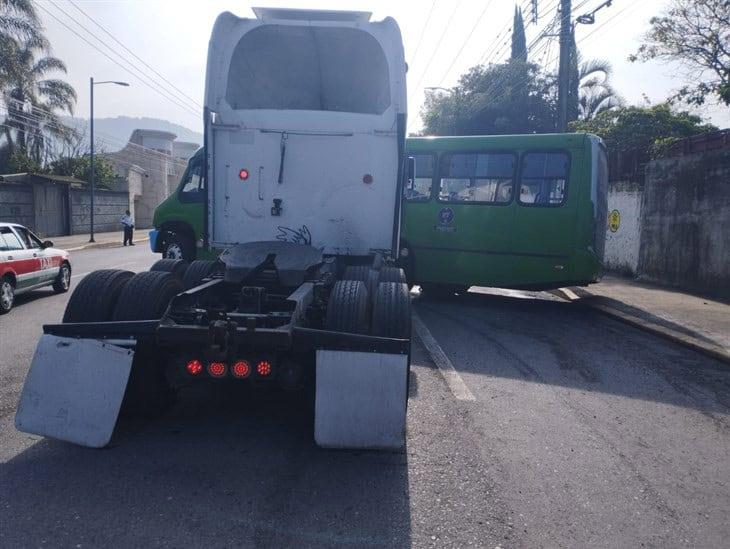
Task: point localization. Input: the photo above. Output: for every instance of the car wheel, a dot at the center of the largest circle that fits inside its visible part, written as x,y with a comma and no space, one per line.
63,280
7,295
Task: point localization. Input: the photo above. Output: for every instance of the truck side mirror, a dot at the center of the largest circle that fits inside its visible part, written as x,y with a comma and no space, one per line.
411,171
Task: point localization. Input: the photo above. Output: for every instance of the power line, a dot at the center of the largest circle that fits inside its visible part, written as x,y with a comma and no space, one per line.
37,119
180,92
466,41
140,79
436,49
423,32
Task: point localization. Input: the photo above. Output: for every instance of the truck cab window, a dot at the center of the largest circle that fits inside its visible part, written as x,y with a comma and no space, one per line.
191,188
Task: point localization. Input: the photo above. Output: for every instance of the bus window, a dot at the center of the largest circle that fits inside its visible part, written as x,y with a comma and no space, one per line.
477,177
419,188
544,180
191,188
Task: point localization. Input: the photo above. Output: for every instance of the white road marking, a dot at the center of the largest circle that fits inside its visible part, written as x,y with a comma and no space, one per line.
451,376
112,267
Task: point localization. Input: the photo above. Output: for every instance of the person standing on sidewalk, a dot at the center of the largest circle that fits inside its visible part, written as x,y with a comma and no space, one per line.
128,225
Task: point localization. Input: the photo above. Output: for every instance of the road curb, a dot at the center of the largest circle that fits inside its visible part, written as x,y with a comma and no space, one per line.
714,351
95,245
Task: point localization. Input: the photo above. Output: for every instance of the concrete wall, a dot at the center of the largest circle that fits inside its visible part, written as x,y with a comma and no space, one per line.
622,246
685,223
109,206
17,204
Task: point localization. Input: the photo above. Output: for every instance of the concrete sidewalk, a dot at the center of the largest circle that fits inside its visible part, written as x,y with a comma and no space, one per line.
78,242
700,323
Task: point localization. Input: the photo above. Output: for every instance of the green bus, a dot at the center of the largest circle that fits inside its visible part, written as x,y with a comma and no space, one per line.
518,212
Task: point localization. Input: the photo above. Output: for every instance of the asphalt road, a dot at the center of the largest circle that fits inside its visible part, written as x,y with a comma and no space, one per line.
569,429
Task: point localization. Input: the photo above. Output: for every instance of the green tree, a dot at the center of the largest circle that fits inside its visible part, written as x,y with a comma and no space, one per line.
519,39
514,97
695,33
32,96
645,129
80,168
590,89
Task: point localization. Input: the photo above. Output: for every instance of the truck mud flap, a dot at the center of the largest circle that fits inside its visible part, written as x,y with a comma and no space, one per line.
74,390
360,400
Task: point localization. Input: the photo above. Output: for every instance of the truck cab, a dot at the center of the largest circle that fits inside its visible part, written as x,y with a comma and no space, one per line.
179,220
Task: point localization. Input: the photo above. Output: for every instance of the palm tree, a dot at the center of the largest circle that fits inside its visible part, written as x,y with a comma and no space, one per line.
32,97
28,90
595,93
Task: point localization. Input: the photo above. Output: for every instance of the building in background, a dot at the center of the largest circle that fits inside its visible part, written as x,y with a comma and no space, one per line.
152,163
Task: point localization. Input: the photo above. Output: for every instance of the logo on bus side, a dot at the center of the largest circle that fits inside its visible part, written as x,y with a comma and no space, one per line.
445,219
446,216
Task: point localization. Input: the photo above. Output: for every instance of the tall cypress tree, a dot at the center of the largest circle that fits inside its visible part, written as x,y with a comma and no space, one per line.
519,39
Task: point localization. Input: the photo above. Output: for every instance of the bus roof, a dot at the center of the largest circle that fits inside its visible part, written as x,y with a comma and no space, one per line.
545,140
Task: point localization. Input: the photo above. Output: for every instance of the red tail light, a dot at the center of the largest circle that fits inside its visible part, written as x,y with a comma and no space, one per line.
217,369
263,368
241,369
194,367
243,174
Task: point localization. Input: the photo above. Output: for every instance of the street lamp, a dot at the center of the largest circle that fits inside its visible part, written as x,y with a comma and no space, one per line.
91,123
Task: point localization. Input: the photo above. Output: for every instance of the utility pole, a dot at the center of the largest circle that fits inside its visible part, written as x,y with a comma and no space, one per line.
91,147
566,31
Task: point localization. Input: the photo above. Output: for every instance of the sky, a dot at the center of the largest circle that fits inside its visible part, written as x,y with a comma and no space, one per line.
442,38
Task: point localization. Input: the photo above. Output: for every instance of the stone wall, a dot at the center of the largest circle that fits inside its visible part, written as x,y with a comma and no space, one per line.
109,206
685,223
623,243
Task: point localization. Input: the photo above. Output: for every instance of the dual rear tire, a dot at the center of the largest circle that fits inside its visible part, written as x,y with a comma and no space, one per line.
370,302
114,295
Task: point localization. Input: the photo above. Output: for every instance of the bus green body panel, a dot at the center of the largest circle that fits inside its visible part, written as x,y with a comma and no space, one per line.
506,243
503,243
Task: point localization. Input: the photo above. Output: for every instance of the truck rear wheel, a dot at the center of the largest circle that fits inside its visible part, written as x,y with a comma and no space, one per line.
197,271
146,297
392,311
392,274
176,267
348,308
96,296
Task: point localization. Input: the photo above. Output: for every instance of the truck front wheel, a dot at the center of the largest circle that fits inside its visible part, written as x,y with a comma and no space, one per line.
177,246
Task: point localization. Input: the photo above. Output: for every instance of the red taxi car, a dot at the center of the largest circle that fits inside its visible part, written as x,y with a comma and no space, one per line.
26,264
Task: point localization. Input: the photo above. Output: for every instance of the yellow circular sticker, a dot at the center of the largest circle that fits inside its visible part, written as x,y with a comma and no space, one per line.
614,220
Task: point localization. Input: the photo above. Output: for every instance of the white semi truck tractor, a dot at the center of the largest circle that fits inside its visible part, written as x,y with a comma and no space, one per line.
305,117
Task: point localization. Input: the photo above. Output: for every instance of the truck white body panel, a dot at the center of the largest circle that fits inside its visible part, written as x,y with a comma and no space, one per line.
74,390
310,104
360,400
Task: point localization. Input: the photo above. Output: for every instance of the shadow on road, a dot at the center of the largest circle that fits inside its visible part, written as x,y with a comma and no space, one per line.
560,343
221,469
